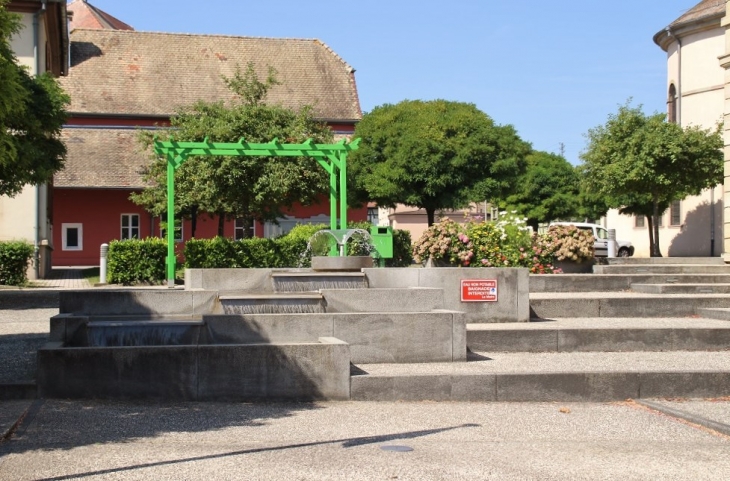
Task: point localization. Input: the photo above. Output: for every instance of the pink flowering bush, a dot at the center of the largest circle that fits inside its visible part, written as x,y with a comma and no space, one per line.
507,242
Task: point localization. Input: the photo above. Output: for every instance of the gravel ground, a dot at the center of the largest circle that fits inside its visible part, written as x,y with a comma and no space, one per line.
22,333
334,441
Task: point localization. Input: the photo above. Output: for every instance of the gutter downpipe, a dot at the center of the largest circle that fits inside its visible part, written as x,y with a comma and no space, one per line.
37,67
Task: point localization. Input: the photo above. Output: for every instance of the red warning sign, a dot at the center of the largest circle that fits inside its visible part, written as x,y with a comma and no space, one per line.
478,290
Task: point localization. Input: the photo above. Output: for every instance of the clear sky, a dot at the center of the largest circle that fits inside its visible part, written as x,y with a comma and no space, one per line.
551,68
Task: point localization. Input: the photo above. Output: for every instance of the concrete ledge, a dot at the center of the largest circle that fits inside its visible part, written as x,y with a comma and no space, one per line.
415,299
663,269
29,298
624,306
424,388
681,288
615,282
238,279
337,264
136,302
18,390
722,314
272,303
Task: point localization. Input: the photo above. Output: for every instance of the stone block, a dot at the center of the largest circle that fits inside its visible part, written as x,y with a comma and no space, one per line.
305,372
696,384
490,340
415,299
458,337
397,337
160,372
392,277
134,302
234,279
614,340
556,308
253,328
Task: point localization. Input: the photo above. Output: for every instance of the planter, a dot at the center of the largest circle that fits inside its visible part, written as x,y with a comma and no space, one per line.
431,262
573,267
345,263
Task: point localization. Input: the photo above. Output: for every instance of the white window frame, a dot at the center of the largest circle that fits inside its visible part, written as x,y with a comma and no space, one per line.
129,227
640,221
238,227
182,230
64,231
676,205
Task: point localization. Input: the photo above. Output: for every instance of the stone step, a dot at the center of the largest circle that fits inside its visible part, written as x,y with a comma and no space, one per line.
601,334
720,313
285,281
681,288
554,377
615,282
662,269
622,304
409,299
272,303
662,260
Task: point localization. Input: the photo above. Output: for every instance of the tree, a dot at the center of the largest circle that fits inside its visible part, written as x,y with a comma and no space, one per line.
637,160
249,188
32,112
433,155
547,190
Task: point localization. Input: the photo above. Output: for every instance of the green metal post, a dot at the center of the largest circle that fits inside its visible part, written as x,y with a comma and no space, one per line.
343,190
333,198
170,231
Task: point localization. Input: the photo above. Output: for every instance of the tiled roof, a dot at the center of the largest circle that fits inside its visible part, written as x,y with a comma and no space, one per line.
86,15
704,9
146,73
105,158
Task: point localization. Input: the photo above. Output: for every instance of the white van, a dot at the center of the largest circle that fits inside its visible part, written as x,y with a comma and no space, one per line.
600,234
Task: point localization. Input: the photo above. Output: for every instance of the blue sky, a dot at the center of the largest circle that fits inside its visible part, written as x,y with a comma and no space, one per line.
553,69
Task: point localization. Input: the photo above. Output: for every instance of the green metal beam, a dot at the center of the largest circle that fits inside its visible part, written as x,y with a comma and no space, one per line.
332,158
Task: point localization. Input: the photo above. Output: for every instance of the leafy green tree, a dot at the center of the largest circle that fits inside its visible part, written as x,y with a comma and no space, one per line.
250,188
547,190
636,160
433,155
32,112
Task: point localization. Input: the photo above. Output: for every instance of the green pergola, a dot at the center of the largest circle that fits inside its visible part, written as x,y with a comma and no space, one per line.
332,157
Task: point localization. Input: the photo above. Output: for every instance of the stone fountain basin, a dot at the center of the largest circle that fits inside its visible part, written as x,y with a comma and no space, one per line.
177,361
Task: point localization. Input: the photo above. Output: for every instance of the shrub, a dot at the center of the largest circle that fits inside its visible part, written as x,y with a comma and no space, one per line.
15,256
133,261
402,254
567,242
444,241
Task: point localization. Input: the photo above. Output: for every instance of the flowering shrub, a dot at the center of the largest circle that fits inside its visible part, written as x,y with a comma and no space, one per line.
508,242
567,242
444,241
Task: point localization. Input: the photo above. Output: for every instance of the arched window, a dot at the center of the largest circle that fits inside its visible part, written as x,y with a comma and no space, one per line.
672,104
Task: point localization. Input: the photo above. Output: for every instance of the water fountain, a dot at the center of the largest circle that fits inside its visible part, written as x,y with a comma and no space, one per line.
329,249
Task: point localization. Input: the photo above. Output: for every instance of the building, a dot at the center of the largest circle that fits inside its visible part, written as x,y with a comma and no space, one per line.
122,80
692,227
42,46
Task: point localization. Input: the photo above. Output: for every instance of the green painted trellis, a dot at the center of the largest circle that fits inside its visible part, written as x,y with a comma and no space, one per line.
332,157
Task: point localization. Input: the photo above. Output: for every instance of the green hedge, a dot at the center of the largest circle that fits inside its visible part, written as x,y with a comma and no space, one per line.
286,251
15,256
135,261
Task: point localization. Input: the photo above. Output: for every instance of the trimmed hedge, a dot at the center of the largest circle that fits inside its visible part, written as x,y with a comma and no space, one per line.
15,256
402,252
133,261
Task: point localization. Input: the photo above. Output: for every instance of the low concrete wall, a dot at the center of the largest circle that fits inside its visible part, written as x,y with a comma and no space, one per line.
137,302
438,336
238,280
410,299
305,371
512,305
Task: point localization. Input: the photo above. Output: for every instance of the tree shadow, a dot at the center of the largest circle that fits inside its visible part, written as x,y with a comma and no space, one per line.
694,238
83,51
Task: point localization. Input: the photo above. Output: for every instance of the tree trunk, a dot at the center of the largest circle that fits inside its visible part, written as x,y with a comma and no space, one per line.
247,223
655,252
431,215
193,220
650,221
221,223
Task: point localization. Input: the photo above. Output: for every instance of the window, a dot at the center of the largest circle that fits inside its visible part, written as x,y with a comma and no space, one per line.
373,215
239,229
130,226
660,220
178,230
601,233
674,213
72,237
672,104
639,221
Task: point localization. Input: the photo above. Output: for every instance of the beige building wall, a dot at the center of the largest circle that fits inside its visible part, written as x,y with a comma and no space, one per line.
25,216
700,102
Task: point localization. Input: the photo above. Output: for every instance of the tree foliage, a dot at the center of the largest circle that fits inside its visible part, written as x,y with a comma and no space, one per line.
637,160
433,155
546,191
32,112
239,187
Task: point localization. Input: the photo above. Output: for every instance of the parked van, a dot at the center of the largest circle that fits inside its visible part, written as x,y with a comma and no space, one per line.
600,234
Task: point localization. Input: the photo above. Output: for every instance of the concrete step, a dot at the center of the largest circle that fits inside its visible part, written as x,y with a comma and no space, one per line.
663,269
547,305
314,281
720,313
681,288
272,303
600,334
662,260
615,282
556,377
409,299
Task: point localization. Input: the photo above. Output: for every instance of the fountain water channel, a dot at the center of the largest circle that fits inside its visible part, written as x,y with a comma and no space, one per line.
330,249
